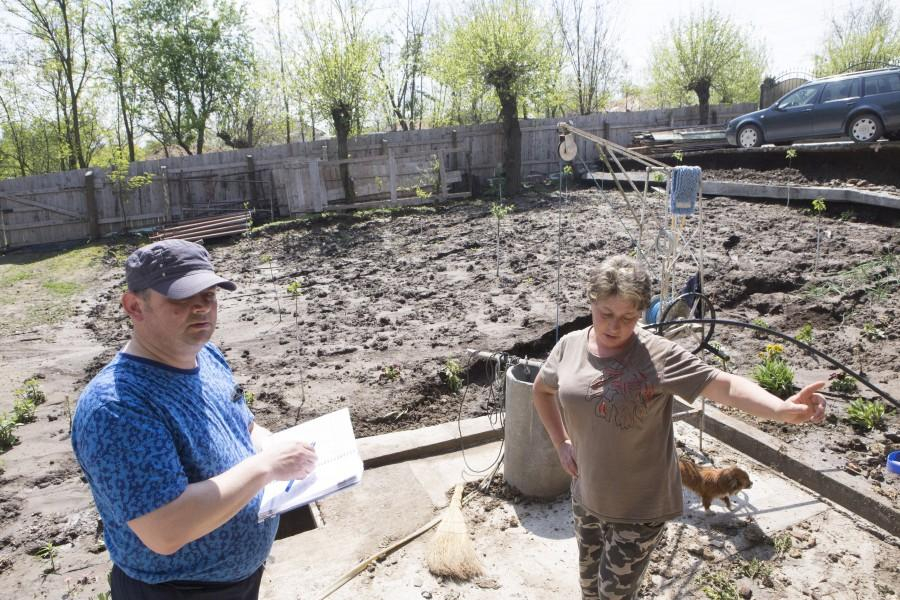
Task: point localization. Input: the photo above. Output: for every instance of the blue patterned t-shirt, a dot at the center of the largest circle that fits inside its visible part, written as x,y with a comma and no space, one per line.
142,432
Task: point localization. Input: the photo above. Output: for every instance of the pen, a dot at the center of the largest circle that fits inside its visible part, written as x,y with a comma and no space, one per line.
291,482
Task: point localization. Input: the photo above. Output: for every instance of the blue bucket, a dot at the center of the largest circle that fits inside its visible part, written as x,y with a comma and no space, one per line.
651,315
893,462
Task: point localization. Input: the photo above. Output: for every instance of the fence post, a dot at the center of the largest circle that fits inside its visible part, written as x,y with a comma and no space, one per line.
392,174
251,182
164,170
91,204
454,161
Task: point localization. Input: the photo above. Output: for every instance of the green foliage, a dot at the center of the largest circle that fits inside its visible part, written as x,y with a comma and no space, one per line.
872,333
339,63
295,289
782,543
452,375
867,414
658,177
818,206
756,569
842,383
49,552
678,155
500,210
773,373
191,60
23,410
718,586
31,390
423,194
502,45
8,437
709,55
27,398
866,34
805,334
879,277
390,373
791,154
249,398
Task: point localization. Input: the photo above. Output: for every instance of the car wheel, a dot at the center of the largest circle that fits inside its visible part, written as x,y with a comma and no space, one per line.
749,136
865,128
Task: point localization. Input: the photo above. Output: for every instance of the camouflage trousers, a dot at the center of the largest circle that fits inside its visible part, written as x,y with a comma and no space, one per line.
612,557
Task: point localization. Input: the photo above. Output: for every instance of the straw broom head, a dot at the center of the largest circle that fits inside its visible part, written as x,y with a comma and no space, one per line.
450,552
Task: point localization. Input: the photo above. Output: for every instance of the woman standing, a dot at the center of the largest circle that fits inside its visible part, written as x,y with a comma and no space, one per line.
604,396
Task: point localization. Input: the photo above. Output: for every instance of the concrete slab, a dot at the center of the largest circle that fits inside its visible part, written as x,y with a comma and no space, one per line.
734,189
527,548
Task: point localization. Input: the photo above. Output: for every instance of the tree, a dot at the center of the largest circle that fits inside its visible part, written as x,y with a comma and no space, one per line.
339,65
190,61
61,26
399,72
502,45
587,35
709,56
109,36
865,36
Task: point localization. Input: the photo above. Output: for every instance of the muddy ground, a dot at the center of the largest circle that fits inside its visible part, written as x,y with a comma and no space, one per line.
388,297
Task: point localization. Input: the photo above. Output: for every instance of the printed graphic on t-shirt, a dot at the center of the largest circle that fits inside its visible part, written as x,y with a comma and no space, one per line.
620,395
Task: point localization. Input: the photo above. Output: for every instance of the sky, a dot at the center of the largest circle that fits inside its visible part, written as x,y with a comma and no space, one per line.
792,30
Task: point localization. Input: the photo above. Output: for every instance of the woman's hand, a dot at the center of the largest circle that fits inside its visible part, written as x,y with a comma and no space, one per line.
565,451
806,406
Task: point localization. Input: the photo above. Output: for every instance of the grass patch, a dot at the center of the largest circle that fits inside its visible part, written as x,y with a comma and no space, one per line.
40,288
879,277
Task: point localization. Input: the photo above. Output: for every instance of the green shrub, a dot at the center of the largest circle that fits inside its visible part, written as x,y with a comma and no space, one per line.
23,410
390,373
8,437
782,543
867,414
805,334
773,374
872,333
31,390
842,383
452,375
718,586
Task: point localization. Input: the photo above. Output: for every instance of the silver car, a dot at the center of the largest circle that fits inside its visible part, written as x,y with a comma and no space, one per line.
863,106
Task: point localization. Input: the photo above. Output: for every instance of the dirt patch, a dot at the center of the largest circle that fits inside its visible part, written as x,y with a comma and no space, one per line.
388,298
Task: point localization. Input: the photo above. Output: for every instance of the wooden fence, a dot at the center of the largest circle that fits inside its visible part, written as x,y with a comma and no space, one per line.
392,167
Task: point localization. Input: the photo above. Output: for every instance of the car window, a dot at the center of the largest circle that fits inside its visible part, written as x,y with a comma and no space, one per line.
800,97
840,90
882,84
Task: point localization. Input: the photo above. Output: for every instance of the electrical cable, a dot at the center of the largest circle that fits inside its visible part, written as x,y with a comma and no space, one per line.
493,368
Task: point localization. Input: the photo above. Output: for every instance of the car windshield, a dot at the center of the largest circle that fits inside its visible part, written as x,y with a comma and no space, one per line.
800,97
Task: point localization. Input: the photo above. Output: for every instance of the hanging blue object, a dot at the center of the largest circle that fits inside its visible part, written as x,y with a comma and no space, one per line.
683,190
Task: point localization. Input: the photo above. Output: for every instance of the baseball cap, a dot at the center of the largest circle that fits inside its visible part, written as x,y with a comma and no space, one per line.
177,269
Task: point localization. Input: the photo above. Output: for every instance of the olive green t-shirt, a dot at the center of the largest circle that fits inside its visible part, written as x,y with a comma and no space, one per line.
618,414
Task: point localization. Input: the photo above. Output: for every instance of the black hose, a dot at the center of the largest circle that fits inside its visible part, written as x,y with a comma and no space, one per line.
788,338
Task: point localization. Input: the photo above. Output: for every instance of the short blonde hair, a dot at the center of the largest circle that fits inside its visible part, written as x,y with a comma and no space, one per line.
620,276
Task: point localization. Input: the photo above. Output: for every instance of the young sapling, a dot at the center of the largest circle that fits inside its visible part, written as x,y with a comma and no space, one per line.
818,207
499,211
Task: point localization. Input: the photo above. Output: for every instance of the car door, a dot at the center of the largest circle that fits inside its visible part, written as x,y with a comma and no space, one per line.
883,94
791,117
836,101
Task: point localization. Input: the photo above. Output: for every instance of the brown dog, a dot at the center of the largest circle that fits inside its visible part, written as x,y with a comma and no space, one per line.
710,483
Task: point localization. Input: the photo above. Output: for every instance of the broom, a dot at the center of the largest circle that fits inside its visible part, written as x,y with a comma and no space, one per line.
450,552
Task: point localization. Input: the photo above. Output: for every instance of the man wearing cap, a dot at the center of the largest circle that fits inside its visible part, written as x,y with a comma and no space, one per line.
172,455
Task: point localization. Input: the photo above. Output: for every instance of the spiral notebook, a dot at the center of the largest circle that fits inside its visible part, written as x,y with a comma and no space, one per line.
338,466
